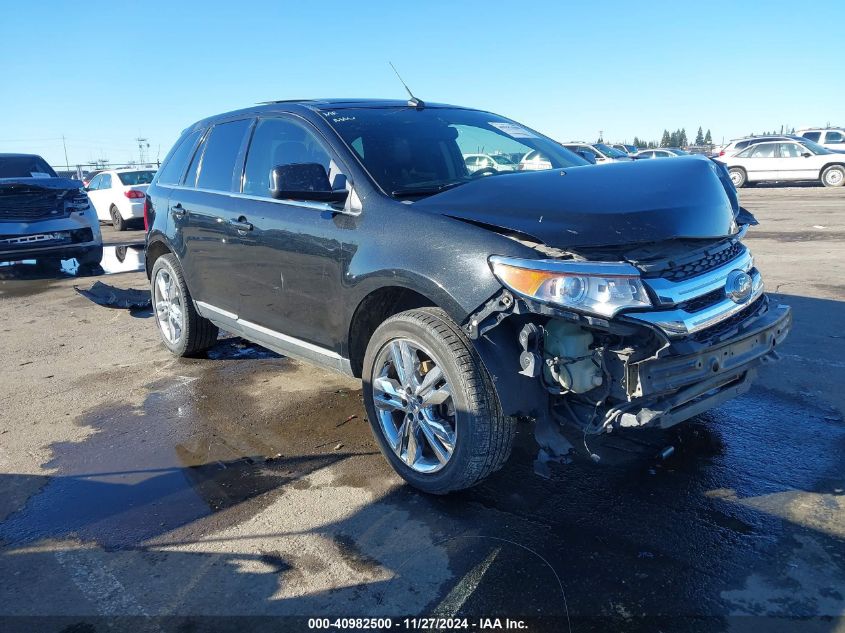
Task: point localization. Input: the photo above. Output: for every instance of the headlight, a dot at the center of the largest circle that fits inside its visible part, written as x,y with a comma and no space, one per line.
595,287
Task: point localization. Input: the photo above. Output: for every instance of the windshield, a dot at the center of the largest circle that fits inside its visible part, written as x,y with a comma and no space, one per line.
609,151
25,167
815,147
412,152
136,177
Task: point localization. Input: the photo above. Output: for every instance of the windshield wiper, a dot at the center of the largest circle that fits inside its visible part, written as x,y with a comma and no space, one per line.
426,191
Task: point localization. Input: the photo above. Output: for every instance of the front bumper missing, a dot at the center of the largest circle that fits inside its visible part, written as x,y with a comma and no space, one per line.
669,390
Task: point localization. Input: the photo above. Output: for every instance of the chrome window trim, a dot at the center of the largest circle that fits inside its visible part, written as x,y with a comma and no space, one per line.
305,204
678,322
674,292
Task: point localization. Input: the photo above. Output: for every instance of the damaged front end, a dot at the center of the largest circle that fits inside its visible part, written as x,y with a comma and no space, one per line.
587,347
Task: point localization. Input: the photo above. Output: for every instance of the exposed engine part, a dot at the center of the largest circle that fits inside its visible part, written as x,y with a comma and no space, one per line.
529,359
568,359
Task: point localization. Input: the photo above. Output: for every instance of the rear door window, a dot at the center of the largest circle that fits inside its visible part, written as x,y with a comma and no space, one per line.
763,150
174,165
105,183
813,136
222,147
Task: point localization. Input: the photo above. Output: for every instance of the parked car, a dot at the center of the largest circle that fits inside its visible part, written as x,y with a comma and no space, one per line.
351,234
831,138
787,160
662,152
601,152
735,146
43,216
630,150
118,195
500,162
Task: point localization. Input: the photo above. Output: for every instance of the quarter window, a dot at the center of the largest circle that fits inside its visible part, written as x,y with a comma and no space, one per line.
280,142
834,137
217,167
174,166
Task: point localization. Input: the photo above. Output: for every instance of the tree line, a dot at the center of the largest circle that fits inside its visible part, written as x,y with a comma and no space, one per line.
678,138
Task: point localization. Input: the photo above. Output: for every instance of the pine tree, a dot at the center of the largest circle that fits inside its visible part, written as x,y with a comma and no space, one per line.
666,141
699,137
708,140
682,138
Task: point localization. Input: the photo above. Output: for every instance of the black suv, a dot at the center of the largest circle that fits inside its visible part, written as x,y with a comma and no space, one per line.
352,234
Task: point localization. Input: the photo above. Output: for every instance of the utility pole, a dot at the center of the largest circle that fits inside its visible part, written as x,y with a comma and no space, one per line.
141,149
67,162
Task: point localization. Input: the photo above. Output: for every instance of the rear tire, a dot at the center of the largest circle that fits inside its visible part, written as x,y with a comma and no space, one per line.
738,177
182,330
833,176
117,220
481,437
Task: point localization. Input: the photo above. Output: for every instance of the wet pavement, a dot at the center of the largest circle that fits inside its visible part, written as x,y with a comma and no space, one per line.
245,483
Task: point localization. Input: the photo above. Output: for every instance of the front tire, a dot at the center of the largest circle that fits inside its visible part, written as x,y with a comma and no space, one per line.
738,177
431,404
182,330
833,176
117,220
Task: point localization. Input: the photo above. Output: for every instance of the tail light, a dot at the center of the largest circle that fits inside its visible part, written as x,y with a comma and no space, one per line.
721,152
133,193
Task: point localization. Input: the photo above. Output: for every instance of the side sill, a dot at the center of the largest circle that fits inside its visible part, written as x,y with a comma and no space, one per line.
276,341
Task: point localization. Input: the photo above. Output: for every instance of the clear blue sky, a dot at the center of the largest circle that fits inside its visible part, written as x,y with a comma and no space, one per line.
104,73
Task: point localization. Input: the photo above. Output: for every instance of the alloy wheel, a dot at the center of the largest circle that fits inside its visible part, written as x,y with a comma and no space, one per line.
414,404
169,307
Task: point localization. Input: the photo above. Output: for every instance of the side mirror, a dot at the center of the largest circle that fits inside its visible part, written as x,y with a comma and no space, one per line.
304,181
588,156
806,154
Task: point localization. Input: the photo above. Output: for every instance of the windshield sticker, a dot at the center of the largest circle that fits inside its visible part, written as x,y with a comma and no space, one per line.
513,130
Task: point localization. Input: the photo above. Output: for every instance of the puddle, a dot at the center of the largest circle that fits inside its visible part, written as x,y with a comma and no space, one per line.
116,259
202,444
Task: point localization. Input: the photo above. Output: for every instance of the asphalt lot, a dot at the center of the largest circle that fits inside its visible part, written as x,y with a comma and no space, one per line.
132,483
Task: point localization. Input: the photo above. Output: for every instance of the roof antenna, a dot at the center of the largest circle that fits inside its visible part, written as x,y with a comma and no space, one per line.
413,101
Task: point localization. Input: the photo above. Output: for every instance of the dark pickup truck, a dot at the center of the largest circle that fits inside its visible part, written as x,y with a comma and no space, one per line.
354,235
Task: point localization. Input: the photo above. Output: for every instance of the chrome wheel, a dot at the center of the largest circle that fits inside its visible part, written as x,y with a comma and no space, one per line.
413,401
169,307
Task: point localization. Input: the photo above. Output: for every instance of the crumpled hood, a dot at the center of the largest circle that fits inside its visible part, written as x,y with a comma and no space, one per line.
601,205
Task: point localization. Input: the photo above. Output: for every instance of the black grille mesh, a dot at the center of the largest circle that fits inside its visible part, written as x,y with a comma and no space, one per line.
704,264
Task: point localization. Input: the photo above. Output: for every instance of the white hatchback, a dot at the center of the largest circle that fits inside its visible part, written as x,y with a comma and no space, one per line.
118,195
786,161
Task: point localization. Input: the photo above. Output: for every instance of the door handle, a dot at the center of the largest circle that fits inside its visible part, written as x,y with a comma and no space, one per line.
241,224
178,211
